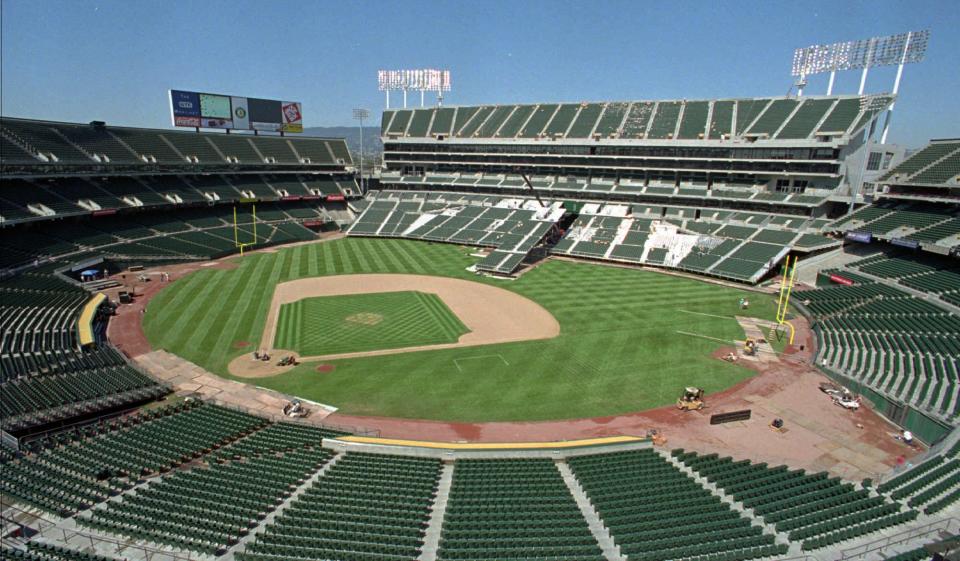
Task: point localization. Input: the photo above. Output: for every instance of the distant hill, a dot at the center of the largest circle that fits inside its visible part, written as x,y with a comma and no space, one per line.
371,137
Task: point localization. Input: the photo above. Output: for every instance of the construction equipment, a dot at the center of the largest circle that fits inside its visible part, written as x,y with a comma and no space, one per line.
692,399
750,347
295,409
532,189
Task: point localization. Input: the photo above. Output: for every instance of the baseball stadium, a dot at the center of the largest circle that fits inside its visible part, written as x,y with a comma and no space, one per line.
712,329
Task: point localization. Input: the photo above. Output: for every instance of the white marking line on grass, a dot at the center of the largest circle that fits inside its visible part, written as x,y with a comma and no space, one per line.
456,361
708,315
704,337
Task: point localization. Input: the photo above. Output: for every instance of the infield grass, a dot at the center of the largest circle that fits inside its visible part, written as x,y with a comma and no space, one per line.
630,339
366,322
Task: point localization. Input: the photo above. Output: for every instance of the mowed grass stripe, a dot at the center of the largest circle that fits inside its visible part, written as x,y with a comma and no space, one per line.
174,299
618,350
447,320
183,329
221,306
290,324
253,310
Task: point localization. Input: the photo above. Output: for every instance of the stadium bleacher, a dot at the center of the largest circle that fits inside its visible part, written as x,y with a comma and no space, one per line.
814,509
44,376
937,163
894,342
765,117
47,143
655,511
492,504
512,227
365,507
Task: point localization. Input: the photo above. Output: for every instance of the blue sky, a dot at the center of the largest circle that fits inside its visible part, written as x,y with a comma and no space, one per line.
111,60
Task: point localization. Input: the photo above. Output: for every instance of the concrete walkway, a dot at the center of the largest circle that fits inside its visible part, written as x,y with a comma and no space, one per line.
611,551
186,378
431,540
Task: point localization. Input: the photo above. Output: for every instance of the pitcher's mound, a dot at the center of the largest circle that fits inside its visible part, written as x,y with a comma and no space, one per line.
365,318
324,368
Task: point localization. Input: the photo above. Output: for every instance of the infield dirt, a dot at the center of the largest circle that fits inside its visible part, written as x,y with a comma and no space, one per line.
492,314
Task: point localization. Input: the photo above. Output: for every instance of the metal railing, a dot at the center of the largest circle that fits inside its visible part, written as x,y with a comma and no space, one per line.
858,552
100,543
51,532
8,440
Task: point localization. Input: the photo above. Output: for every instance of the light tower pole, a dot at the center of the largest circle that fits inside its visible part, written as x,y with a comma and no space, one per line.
863,54
360,114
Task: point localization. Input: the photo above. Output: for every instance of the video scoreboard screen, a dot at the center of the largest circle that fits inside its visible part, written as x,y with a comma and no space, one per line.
216,111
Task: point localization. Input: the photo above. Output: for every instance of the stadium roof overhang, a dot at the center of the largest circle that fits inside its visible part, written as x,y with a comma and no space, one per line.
832,142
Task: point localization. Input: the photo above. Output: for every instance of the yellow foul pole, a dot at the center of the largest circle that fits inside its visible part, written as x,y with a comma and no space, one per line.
786,288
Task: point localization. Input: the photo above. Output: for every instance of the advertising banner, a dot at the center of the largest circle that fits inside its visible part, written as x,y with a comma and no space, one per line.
292,118
904,242
862,237
261,126
216,123
841,280
196,109
185,107
240,113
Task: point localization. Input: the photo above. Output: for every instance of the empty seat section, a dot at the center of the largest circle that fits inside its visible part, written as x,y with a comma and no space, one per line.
194,145
654,511
97,141
365,507
516,509
814,509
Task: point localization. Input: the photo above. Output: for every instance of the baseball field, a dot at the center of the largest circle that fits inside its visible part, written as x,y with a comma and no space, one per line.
366,322
628,339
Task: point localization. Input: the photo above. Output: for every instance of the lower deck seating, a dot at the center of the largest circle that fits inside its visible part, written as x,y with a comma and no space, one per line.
811,508
654,511
209,509
364,508
933,485
891,341
513,510
178,234
44,376
728,252
513,227
925,223
73,471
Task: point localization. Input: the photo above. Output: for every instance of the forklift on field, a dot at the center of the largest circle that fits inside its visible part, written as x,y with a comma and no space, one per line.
691,400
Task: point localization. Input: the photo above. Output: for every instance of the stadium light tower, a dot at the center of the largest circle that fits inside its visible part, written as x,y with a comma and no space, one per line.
360,114
862,54
422,80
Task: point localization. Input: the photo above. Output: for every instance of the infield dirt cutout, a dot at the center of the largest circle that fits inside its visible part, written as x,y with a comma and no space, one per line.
492,314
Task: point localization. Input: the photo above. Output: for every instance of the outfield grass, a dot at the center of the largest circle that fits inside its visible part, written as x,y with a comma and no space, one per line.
630,339
366,322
